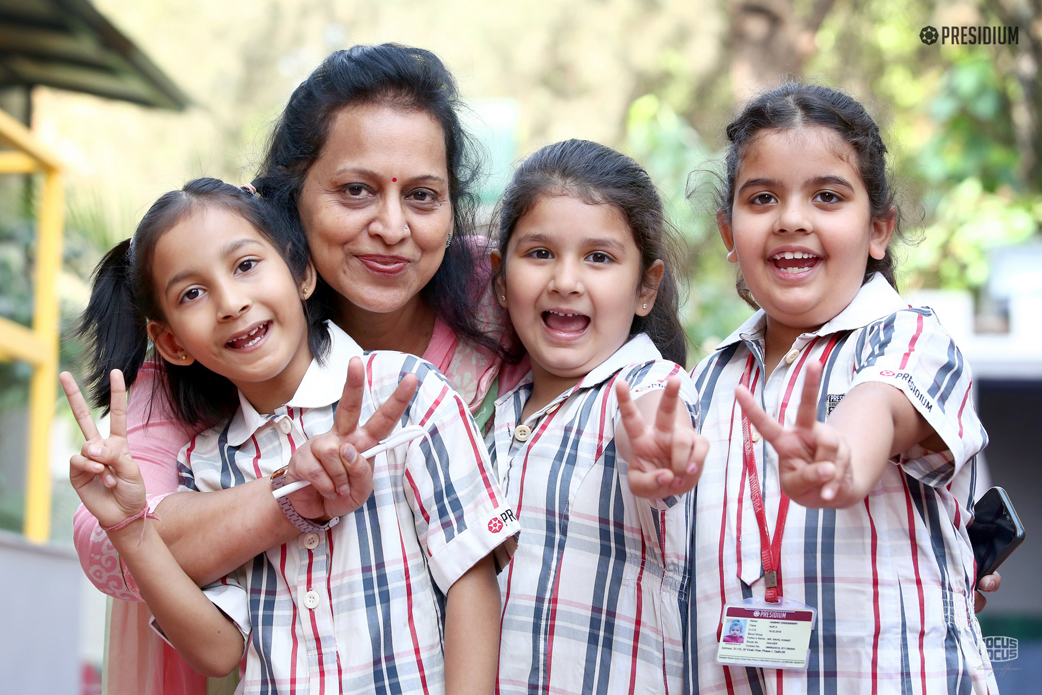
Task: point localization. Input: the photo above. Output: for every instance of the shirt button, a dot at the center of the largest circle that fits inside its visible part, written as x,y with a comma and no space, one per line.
553,408
311,541
756,436
791,355
311,600
285,425
522,433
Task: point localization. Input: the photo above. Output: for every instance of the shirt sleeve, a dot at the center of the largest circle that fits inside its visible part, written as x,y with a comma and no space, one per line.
910,351
155,437
460,513
643,379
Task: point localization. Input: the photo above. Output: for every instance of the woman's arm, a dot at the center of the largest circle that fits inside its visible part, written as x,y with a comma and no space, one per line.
472,631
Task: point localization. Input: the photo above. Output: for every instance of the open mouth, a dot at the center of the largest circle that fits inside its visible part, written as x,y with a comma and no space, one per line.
249,338
793,262
565,322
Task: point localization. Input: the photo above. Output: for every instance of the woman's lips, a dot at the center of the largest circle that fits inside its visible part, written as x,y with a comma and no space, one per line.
383,265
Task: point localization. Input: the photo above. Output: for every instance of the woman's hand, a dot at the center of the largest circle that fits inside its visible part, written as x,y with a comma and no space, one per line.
814,458
666,458
341,480
103,473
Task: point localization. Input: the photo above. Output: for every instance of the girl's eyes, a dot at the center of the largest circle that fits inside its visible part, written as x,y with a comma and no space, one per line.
827,197
247,265
540,254
190,295
599,257
762,199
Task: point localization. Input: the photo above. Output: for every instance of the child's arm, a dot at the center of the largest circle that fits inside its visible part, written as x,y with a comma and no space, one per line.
472,631
836,464
113,492
664,459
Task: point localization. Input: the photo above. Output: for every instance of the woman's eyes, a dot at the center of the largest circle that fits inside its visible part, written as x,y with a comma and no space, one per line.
356,190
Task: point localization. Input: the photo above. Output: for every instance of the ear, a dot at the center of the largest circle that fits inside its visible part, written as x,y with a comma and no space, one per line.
649,288
724,226
307,285
881,232
501,283
167,344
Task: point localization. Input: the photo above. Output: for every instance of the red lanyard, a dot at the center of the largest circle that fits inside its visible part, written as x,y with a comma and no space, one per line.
769,552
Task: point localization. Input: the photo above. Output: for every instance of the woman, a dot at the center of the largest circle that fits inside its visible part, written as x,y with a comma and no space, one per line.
370,163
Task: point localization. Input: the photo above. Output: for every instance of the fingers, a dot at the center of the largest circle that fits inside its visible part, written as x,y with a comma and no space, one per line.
117,404
80,409
990,582
631,417
798,482
345,420
319,462
807,414
758,417
82,470
979,601
655,484
666,415
381,423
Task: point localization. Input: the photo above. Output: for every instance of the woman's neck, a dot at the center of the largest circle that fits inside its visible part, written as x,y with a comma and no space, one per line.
407,330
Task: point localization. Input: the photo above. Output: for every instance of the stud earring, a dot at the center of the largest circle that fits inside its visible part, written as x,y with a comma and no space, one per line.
503,297
645,306
184,357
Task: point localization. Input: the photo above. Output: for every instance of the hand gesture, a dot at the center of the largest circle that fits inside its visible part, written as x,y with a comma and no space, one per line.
341,480
813,458
664,459
103,473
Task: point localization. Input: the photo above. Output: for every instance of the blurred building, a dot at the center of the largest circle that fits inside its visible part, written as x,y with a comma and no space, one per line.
64,44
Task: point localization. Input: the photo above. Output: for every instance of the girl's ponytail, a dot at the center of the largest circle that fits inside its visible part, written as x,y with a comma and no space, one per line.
113,326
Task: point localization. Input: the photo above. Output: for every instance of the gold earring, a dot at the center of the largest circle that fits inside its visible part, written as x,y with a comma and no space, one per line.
184,357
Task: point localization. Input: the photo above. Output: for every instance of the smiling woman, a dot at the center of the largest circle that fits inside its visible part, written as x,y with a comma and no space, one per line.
368,167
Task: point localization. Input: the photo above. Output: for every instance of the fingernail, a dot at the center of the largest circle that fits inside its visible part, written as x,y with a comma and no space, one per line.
94,450
663,479
330,497
344,490
824,473
827,493
988,585
349,453
692,467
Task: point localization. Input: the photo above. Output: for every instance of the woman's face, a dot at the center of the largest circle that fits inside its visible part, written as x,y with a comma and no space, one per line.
375,206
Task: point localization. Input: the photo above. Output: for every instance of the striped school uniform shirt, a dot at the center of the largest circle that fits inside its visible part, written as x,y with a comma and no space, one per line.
595,599
358,608
892,577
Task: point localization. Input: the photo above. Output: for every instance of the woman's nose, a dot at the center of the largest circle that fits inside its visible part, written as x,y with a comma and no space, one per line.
390,224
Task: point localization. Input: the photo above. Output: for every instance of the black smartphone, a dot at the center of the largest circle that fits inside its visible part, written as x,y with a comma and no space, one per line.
996,530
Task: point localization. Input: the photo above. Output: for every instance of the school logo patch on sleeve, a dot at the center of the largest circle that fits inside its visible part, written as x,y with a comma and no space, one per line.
495,525
831,402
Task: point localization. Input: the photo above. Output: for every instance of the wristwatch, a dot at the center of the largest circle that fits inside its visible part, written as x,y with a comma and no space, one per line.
278,479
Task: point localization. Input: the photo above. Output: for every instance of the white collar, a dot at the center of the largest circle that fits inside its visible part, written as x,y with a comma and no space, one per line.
875,299
322,385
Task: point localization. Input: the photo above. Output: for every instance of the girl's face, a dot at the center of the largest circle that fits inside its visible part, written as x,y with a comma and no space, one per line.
231,303
800,225
375,206
572,283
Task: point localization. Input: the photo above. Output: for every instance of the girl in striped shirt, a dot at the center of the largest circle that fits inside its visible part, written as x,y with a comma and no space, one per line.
595,599
841,423
401,596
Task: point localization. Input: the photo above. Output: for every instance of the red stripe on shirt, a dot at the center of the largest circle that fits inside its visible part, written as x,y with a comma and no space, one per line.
464,415
918,580
412,624
332,616
257,458
636,624
911,343
293,630
875,598
314,626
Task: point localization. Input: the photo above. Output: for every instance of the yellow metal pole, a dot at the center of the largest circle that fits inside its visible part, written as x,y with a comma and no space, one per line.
42,386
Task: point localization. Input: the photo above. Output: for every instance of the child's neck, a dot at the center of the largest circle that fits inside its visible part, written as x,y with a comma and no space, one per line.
266,396
545,388
778,340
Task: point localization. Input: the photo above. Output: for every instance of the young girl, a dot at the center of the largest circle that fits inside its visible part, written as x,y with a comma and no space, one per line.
595,600
851,498
354,607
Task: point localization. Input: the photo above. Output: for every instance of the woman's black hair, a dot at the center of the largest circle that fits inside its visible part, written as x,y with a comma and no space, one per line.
411,79
599,175
124,299
795,105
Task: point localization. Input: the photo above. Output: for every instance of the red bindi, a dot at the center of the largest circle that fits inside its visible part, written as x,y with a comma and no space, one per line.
394,179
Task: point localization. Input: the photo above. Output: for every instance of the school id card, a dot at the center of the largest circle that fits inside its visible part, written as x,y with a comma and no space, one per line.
766,635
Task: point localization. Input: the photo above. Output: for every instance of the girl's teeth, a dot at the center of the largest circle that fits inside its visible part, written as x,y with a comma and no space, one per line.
794,270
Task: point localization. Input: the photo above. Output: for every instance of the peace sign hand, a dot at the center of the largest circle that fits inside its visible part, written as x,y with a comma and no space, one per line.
341,480
813,457
103,473
666,458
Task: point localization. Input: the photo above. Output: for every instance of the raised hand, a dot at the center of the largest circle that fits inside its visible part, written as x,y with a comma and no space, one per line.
813,458
341,480
103,473
666,458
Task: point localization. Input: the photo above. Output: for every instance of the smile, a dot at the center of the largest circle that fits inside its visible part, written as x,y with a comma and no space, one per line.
250,338
383,265
566,324
794,262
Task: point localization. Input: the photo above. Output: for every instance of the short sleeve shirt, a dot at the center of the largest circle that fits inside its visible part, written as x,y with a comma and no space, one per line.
358,608
595,599
892,577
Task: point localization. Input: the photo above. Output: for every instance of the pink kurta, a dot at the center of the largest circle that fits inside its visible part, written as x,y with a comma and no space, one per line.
137,661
